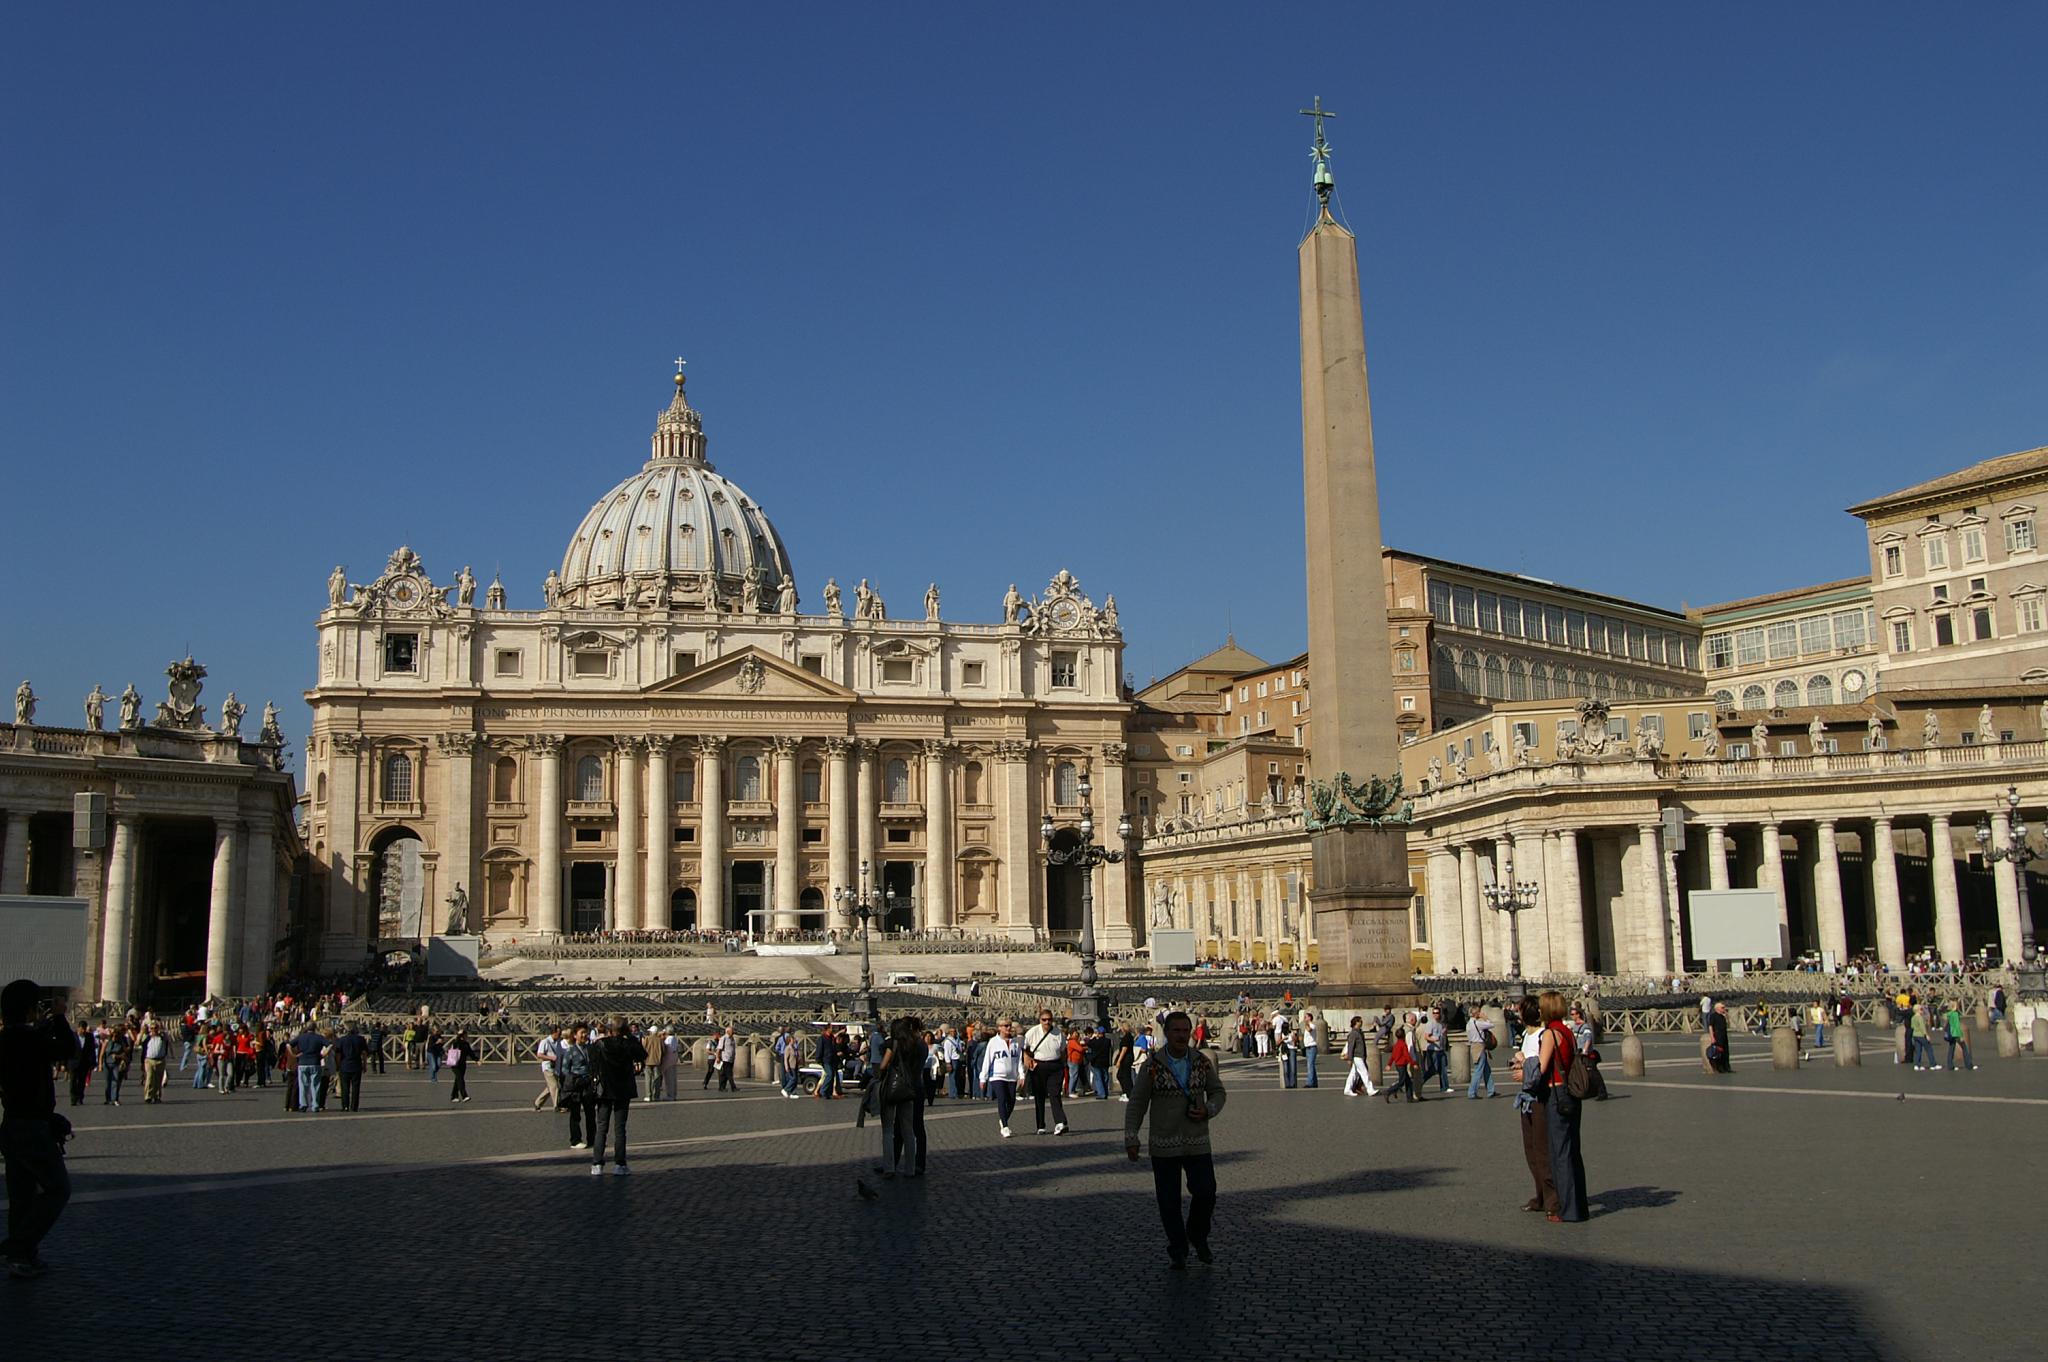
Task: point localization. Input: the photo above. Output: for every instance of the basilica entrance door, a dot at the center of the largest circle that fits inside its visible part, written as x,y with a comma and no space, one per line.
586,897
898,878
749,894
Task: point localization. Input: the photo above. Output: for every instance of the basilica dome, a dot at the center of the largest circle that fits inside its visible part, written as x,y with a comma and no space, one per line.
675,533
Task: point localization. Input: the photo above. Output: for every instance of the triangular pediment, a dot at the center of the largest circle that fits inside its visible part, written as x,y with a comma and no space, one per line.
752,675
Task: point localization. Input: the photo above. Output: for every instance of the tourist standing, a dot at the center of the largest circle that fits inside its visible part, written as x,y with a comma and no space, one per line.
727,1048
1479,1035
899,1078
1958,1038
1181,1091
1100,1053
351,1056
34,1041
457,1058
828,1064
433,1050
1530,1110
672,1062
307,1047
614,1062
116,1051
1283,1046
1922,1042
579,1090
1126,1061
1045,1049
376,1047
1717,1040
156,1057
1554,1061
1002,1066
549,1053
1310,1028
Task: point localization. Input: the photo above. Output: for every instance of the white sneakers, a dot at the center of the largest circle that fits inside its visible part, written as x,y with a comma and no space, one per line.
1125,1098
1006,1132
620,1170
597,1170
1060,1129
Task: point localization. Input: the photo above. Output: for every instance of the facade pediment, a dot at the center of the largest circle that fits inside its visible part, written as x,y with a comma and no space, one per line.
752,675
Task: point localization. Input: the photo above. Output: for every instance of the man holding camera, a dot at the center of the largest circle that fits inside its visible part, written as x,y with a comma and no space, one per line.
1045,1053
1182,1091
32,1042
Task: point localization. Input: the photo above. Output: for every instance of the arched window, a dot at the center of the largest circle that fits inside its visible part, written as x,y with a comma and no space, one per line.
1496,680
1539,682
1724,699
320,789
971,784
1603,686
1582,683
504,780
896,781
590,780
1785,693
746,779
1446,669
1144,804
1820,690
685,781
1638,689
398,779
1518,680
1468,672
1066,784
1752,697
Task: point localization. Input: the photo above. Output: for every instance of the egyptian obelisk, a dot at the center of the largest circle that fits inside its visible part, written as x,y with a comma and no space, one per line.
1359,842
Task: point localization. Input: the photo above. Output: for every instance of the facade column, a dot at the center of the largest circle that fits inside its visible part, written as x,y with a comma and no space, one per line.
547,916
938,828
1446,923
117,935
1717,856
14,854
1568,914
838,836
1884,883
711,850
1114,930
2005,879
1020,867
865,755
340,938
661,813
789,850
459,821
1468,903
1770,874
259,907
1535,926
223,939
1829,923
1651,911
626,880
1948,908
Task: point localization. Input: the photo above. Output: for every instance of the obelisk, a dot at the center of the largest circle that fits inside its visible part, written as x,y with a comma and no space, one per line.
1357,814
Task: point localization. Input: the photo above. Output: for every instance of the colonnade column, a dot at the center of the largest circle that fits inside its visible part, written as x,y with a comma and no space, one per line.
661,811
223,940
1568,914
1770,874
259,907
1829,924
1948,908
1535,931
458,770
711,852
838,835
1468,903
1884,883
117,936
1717,856
547,899
14,854
626,882
1113,927
343,808
1655,924
1018,833
938,827
1446,922
789,806
2005,879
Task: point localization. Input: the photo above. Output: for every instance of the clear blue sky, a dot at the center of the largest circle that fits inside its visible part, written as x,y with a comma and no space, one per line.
1652,292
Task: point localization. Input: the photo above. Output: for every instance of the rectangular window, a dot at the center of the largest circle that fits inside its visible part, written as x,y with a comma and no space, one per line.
1902,636
1699,723
814,663
1184,750
1489,612
1784,640
590,834
506,662
1973,544
1553,624
1262,690
2019,536
1940,590
1749,647
1738,751
1408,703
973,673
1617,728
1511,616
1527,733
1977,585
1464,607
1575,628
1980,624
2030,614
901,670
1066,672
1440,601
401,652
813,835
685,781
1936,546
813,787
683,835
1263,721
1691,653
899,835
1720,652
1944,631
1814,634
1652,723
593,664
684,662
1894,560
1638,643
1243,692
1788,747
1849,629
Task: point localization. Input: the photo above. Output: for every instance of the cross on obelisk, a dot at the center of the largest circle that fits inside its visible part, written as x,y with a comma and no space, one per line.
1324,180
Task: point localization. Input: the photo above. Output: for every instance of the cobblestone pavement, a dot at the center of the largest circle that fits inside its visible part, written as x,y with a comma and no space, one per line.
1760,1215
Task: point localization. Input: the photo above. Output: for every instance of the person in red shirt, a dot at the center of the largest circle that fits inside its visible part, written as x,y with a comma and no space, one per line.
218,1052
1403,1060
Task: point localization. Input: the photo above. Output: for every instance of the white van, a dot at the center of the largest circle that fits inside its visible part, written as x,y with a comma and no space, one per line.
900,976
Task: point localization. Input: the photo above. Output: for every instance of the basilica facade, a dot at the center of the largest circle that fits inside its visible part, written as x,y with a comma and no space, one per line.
671,742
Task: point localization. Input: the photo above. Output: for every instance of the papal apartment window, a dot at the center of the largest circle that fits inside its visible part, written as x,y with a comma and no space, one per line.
1902,636
1065,671
1937,551
1698,722
902,669
1720,651
1980,624
2019,535
1738,751
506,662
2030,614
1973,545
1894,560
401,652
593,664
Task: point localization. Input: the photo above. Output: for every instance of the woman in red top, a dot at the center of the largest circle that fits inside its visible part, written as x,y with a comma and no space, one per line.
1554,1061
1402,1059
220,1054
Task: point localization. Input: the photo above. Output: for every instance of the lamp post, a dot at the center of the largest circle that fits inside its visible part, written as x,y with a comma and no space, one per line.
1091,1004
1514,900
2019,853
862,905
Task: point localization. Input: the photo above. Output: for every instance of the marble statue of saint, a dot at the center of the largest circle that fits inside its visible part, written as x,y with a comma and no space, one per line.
1436,773
231,712
1930,730
1109,613
1458,767
337,585
662,594
1710,741
96,708
861,598
877,610
1760,736
1873,731
1521,748
1495,759
272,733
24,704
750,593
1987,730
786,597
931,603
1648,745
551,588
1013,605
832,597
1816,733
458,912
131,707
465,587
1567,740
494,594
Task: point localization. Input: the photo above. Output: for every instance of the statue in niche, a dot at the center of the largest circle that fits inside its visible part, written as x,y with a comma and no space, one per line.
494,594
1930,729
231,712
1013,605
1435,778
131,707
1109,614
1521,747
832,599
24,704
551,589
337,585
458,912
1987,726
271,733
465,587
1816,733
1760,739
931,603
1873,731
96,708
786,597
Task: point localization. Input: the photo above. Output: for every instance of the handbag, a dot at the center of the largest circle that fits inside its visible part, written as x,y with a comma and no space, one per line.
896,1084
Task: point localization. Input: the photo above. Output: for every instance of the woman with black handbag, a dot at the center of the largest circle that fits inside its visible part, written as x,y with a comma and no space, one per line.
900,1079
578,1092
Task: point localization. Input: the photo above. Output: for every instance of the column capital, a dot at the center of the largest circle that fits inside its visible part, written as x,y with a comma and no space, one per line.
629,745
1114,753
938,749
658,744
546,744
836,747
710,747
347,741
460,743
866,748
784,745
1012,749
1881,820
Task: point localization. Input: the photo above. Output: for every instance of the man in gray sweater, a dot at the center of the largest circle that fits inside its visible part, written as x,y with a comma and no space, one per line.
1182,1092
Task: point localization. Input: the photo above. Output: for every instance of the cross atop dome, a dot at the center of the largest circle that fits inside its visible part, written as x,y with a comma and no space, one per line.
679,432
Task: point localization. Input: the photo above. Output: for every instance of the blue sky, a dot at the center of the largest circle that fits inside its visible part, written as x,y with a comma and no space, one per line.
977,294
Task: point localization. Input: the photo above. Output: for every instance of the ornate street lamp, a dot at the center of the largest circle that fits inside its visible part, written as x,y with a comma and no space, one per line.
2015,850
1091,1004
862,905
1514,900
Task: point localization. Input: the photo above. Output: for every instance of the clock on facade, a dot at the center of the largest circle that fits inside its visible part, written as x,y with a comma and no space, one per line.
1066,613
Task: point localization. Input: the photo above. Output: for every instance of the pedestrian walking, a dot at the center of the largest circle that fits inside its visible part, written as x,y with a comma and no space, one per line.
1181,1091
1045,1048
1436,1050
84,1059
1126,1059
1554,1061
1479,1035
828,1064
1958,1038
1002,1066
549,1053
1402,1058
1717,1040
615,1061
456,1059
1531,1112
116,1052
34,1042
156,1058
1358,1073
726,1051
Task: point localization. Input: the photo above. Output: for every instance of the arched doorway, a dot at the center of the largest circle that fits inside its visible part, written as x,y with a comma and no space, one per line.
1063,890
398,885
811,909
682,910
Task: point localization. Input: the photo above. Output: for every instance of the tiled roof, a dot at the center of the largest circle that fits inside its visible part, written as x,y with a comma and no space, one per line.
1977,474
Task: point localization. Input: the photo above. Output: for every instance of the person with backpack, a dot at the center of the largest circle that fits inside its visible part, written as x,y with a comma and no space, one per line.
1479,1035
1554,1055
1952,1028
614,1063
456,1058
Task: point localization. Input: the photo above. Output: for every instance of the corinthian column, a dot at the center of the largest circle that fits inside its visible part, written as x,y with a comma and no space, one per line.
547,813
626,883
1827,893
789,807
1948,911
1884,883
1016,831
865,754
118,934
838,834
661,795
938,828
711,800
